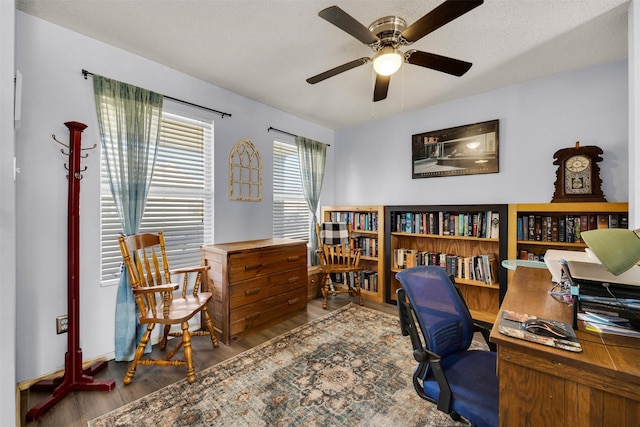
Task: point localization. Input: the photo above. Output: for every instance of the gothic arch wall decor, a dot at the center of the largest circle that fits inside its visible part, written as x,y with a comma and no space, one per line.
245,172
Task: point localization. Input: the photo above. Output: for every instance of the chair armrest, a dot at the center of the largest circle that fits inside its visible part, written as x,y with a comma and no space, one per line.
445,395
191,269
151,289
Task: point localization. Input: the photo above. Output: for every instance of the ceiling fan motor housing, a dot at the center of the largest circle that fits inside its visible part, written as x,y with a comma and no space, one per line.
388,30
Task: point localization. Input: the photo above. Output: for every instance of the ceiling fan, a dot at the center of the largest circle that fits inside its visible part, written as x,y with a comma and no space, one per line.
386,34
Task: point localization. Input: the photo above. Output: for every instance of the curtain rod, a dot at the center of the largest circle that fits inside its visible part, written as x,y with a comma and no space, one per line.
85,73
287,133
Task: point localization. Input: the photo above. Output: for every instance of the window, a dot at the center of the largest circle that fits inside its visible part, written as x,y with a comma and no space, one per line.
180,200
290,210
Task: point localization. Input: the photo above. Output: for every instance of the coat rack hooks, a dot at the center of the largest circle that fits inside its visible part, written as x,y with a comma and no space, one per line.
53,135
68,148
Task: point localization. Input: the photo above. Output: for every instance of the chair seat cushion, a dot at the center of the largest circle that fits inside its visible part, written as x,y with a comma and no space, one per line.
474,386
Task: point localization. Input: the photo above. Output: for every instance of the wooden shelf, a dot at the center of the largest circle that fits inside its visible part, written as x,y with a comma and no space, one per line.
539,247
555,209
482,299
370,263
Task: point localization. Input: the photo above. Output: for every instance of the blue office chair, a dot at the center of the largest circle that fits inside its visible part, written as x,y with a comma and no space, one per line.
461,382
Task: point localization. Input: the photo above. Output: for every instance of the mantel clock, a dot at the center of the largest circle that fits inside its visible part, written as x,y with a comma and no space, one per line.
578,174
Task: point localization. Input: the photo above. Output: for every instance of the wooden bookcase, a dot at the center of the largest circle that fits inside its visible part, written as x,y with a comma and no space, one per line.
368,230
521,243
483,299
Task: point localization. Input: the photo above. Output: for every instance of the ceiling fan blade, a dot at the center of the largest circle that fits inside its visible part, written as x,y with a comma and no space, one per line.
346,22
337,70
381,88
441,15
437,62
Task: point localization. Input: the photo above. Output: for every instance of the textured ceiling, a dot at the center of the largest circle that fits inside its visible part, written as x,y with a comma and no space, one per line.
265,49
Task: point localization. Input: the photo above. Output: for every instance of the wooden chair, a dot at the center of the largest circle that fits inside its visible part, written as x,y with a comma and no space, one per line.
338,256
157,304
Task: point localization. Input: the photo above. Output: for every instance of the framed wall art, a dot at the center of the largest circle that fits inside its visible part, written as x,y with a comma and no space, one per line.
245,172
462,150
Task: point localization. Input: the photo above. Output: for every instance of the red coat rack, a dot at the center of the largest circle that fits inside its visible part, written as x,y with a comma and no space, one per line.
75,377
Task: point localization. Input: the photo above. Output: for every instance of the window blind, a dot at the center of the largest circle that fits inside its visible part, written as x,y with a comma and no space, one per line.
290,210
180,200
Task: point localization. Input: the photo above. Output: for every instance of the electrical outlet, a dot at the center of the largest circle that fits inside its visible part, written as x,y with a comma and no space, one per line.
62,324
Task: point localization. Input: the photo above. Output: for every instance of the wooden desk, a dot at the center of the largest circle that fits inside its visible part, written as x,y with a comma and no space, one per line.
543,386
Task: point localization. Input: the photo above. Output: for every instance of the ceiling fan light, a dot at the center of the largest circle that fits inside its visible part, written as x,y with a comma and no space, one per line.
387,61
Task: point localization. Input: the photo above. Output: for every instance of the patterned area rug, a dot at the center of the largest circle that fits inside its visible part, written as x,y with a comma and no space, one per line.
351,367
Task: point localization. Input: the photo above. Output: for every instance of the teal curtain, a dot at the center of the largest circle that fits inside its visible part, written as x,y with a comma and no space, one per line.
129,124
312,156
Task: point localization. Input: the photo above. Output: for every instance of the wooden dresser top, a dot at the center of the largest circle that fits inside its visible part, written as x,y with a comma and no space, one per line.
253,245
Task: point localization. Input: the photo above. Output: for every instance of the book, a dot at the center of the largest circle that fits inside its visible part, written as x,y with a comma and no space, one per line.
554,228
603,221
538,227
614,221
584,224
624,220
514,324
569,229
520,231
525,227
562,229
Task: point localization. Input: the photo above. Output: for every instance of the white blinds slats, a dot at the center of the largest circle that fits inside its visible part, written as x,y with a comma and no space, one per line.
179,200
290,211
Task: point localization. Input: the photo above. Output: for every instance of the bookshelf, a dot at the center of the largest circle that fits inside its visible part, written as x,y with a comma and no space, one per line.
369,234
424,232
531,241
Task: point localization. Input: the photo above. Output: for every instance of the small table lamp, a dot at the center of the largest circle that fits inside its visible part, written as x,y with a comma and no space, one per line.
617,248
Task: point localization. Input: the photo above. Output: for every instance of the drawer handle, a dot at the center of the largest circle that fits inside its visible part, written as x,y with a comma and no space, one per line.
293,301
252,291
252,316
293,258
252,266
293,279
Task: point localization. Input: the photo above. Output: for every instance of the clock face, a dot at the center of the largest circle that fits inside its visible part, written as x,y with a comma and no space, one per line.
577,163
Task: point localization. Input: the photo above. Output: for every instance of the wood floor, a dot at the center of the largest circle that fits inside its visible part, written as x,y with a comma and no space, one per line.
81,406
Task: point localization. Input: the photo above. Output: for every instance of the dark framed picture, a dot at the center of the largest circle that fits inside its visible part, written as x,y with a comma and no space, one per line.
462,150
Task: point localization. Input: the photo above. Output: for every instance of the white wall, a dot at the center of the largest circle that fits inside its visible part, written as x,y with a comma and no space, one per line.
7,218
51,59
634,109
537,118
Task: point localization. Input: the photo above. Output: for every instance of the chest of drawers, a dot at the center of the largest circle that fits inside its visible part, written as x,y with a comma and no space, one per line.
255,284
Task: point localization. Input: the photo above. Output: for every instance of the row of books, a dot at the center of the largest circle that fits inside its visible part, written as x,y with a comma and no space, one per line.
365,221
565,228
368,279
367,245
482,268
477,224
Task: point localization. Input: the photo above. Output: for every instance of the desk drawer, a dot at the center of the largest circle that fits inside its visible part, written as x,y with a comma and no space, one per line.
250,317
252,264
249,291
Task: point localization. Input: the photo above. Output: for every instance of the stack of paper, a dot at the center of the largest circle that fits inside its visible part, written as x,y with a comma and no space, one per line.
603,324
